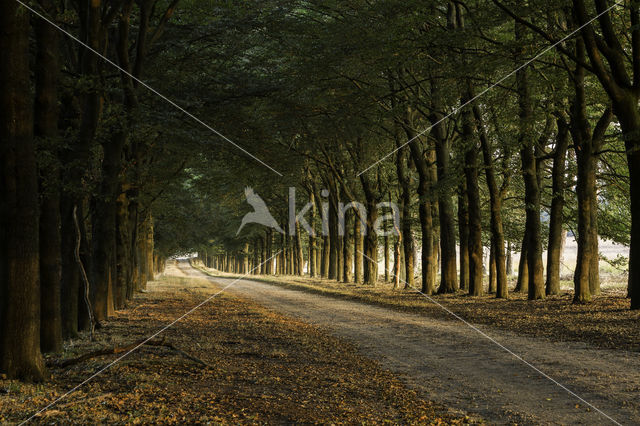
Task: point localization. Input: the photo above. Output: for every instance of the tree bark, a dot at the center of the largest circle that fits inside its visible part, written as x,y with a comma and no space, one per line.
532,189
473,199
463,231
556,217
497,270
20,356
448,261
424,209
624,96
347,274
387,257
358,248
522,284
371,238
313,257
586,144
299,253
407,233
492,269
46,128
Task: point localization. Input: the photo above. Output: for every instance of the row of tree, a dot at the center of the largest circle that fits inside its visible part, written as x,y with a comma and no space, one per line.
76,227
319,91
482,156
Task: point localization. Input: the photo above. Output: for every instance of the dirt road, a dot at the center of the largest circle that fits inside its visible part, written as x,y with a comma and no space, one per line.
457,366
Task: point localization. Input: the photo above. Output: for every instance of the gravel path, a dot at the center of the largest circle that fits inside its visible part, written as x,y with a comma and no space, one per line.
455,365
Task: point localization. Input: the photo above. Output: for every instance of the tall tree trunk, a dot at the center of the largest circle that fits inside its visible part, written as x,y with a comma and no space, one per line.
325,256
633,160
347,274
556,218
245,258
473,199
509,260
428,253
358,249
268,252
582,292
335,239
448,261
20,355
103,231
624,96
397,260
387,257
492,269
532,189
498,270
371,238
522,284
407,233
299,254
75,158
424,209
534,244
313,257
463,231
435,241
586,143
46,128
124,257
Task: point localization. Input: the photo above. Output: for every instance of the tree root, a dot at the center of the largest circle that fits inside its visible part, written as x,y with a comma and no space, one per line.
121,349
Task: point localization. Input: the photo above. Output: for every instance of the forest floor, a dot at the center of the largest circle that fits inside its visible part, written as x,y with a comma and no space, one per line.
262,367
607,322
459,366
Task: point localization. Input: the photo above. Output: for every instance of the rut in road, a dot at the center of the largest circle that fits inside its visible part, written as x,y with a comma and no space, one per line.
456,366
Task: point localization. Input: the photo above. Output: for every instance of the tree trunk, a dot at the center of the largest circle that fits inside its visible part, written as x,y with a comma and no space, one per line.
448,261
20,356
424,209
532,189
509,260
325,257
347,274
497,269
299,254
492,269
46,128
397,261
594,265
428,254
370,239
313,257
534,244
245,259
475,212
522,284
358,249
586,143
103,232
387,257
269,252
633,159
405,217
463,231
334,238
556,218
581,277
624,96
124,257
